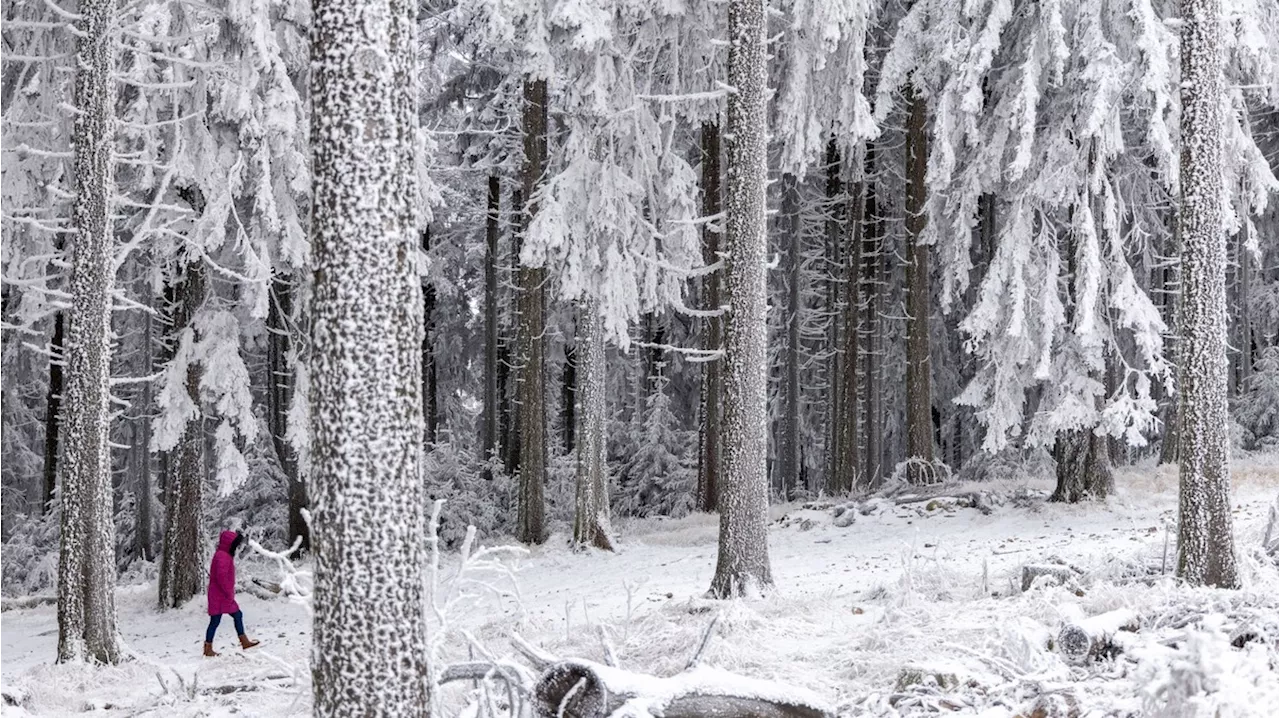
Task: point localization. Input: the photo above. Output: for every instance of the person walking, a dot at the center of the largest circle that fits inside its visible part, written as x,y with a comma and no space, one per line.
222,591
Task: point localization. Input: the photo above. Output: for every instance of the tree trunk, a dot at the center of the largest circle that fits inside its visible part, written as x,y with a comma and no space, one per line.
869,288
281,397
430,405
491,407
182,569
86,565
591,508
369,628
789,453
530,344
712,371
919,394
1084,466
844,474
568,395
1206,551
52,404
143,533
743,561
834,236
1170,306
507,384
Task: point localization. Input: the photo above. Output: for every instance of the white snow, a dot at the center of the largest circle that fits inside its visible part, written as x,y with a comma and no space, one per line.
901,588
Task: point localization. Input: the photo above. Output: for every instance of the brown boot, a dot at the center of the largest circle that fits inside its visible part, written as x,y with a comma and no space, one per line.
209,652
246,643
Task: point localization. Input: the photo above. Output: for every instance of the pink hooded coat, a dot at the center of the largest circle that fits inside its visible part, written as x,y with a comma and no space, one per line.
222,577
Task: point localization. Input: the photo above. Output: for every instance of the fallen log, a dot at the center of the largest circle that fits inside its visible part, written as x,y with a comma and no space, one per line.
583,689
1094,638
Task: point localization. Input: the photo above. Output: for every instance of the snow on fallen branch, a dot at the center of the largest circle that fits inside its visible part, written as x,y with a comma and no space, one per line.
585,689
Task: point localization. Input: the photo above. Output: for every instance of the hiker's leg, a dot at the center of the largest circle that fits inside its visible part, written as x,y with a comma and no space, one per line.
238,616
214,620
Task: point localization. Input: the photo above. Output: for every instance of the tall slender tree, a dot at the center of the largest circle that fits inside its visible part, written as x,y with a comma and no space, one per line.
1206,548
86,565
919,366
370,630
182,570
710,424
530,342
591,513
743,560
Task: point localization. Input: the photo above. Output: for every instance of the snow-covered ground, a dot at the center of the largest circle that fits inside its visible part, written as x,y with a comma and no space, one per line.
912,610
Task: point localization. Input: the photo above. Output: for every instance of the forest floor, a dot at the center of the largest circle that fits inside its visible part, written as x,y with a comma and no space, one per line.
914,609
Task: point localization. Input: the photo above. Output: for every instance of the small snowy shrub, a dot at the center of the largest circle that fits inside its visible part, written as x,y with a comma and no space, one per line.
658,479
452,474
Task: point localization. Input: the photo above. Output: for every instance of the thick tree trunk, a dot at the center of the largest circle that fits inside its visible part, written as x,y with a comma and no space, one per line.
182,568
53,403
743,561
919,394
491,385
86,565
712,371
530,344
1206,549
845,469
789,454
1084,466
369,628
591,508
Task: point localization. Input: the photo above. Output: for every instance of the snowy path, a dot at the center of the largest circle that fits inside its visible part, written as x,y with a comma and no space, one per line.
853,606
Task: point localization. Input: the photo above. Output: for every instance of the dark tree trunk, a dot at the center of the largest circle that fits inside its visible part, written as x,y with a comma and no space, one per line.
281,398
871,283
919,393
1084,466
491,371
568,393
52,407
788,473
845,469
143,534
834,238
182,556
508,384
712,371
430,407
530,343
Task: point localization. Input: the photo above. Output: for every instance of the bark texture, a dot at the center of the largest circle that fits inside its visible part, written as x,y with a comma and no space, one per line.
790,452
591,507
844,460
530,343
182,554
919,393
369,630
1206,550
743,560
1084,466
712,371
491,408
86,558
53,405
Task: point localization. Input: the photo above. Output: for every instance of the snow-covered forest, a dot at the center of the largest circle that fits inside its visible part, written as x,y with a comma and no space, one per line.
789,358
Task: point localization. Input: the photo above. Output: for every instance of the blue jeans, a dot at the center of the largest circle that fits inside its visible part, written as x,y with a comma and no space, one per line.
238,617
